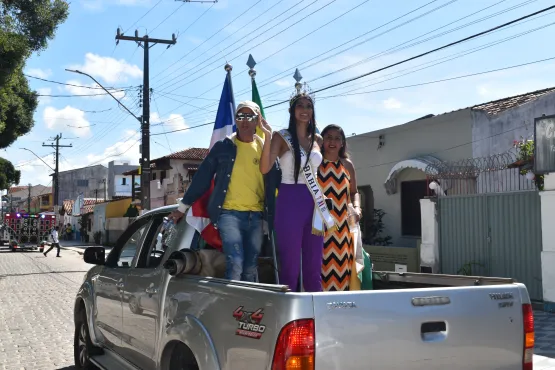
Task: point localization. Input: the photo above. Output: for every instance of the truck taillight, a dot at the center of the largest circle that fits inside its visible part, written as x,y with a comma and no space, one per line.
295,347
528,324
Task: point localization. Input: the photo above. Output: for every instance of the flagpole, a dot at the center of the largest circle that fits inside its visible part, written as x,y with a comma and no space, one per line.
256,98
228,67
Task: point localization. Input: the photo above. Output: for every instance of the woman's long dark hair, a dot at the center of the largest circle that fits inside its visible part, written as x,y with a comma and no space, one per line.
311,130
343,154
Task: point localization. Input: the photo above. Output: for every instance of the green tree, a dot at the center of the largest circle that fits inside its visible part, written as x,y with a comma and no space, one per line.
26,26
8,174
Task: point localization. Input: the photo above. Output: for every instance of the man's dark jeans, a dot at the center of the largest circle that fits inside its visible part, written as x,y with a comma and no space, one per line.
57,245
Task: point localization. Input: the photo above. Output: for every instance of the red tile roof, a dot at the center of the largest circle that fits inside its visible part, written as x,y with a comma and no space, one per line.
15,189
191,153
498,106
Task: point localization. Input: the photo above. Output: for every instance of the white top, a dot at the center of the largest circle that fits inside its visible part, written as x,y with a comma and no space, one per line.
55,236
287,164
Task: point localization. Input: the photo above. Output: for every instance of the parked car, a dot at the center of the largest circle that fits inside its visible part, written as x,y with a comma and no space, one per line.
146,308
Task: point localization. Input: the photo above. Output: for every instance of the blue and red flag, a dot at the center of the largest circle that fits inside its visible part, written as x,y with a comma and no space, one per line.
223,126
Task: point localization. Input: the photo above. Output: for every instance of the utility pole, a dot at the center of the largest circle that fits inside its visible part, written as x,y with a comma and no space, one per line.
104,181
146,43
56,182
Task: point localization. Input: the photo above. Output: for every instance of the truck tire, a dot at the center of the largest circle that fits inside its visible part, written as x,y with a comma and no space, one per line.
183,358
82,345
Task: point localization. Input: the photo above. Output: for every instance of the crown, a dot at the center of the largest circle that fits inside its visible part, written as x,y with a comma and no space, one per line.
302,90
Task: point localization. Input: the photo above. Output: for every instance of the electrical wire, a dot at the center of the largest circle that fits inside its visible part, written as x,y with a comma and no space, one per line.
427,52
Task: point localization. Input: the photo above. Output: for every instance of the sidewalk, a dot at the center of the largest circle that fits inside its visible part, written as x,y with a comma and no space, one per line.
544,325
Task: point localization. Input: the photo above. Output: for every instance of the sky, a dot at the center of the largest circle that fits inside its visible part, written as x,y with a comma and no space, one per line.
329,41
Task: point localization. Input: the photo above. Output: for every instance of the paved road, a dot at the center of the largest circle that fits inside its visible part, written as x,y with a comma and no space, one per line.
36,312
36,309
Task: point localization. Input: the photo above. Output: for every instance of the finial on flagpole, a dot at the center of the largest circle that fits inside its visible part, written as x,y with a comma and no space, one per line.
298,77
228,67
251,63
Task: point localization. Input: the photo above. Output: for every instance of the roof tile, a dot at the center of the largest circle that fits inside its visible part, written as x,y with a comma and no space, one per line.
498,106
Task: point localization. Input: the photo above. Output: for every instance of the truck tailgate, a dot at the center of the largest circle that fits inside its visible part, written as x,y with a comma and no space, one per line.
480,327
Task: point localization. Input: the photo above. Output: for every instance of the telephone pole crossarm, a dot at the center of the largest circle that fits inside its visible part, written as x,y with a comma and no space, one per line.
56,182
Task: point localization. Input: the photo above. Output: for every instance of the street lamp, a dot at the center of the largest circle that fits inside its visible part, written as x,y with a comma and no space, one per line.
29,150
103,88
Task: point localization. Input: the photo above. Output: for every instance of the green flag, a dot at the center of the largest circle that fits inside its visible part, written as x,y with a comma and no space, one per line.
257,100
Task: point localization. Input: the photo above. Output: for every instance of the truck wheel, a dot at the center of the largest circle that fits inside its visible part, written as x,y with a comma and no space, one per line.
183,359
82,345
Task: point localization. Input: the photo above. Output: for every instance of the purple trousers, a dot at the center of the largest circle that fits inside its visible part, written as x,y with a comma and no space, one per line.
294,238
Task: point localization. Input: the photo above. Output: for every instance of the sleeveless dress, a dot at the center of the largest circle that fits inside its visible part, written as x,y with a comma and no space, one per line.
299,250
338,245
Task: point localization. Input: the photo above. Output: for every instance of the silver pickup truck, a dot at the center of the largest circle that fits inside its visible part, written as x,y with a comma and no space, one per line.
158,301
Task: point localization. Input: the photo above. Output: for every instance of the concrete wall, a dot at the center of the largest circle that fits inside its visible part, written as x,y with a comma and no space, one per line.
413,139
119,189
69,188
495,134
115,177
173,186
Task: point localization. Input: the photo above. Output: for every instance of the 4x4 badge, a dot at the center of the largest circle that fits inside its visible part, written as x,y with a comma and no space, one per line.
248,323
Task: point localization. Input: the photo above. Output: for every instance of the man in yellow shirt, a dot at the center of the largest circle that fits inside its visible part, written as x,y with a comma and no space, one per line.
239,202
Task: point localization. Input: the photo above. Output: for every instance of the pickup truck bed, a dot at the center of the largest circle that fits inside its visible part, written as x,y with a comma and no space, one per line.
148,318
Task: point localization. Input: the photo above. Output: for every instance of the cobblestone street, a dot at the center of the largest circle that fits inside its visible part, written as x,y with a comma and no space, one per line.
36,308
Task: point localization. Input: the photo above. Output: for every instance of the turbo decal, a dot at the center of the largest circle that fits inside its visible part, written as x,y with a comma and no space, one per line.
248,323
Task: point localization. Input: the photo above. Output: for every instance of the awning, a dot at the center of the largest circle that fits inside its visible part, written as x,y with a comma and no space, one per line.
422,163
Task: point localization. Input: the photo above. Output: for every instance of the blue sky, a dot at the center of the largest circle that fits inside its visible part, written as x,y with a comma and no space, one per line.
187,78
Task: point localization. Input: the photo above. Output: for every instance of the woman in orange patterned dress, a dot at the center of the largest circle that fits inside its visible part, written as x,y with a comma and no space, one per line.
337,179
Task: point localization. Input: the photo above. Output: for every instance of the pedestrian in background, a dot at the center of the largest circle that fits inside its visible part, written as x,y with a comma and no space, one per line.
55,242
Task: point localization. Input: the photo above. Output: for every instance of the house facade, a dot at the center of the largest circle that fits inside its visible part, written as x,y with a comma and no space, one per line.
119,185
38,197
171,175
391,163
91,182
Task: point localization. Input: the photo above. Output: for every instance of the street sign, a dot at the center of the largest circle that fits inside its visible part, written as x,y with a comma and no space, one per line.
544,145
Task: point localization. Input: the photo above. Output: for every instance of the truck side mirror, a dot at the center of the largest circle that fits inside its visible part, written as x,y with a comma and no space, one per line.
95,255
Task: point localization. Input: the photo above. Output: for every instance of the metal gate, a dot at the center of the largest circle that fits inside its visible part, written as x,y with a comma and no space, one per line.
493,235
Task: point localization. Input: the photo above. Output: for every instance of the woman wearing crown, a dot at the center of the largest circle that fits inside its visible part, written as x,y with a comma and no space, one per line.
301,216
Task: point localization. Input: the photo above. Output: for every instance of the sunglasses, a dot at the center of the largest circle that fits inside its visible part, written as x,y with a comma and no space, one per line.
248,117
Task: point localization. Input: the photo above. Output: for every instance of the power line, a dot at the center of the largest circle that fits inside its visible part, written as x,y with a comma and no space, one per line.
214,34
427,53
215,58
81,86
400,46
173,12
229,36
441,80
144,15
449,58
75,95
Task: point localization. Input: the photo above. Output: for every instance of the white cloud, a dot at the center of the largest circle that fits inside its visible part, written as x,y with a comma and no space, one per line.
110,70
44,91
59,119
84,91
173,122
37,72
392,103
125,149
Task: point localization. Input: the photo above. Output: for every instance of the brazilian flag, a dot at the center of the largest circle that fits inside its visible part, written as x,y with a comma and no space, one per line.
257,100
